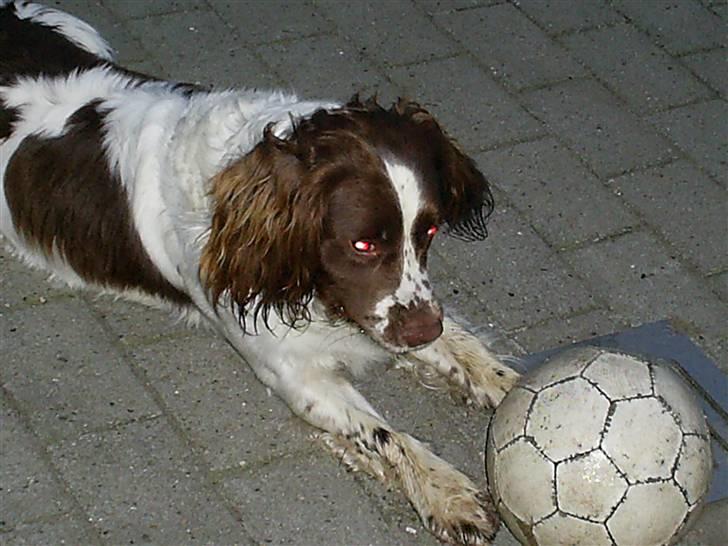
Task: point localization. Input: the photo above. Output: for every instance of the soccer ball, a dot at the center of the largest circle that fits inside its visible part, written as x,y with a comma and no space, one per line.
598,447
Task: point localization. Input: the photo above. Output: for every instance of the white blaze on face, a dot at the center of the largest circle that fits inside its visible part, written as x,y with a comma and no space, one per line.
413,284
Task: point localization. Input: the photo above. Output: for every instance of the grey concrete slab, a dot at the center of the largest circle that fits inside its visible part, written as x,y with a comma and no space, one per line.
225,412
319,485
65,530
569,329
564,202
369,26
720,284
680,27
25,287
643,282
258,22
333,69
520,278
471,106
711,67
642,74
112,29
129,9
702,132
435,6
551,15
594,124
136,324
66,374
198,47
29,489
686,206
139,484
510,45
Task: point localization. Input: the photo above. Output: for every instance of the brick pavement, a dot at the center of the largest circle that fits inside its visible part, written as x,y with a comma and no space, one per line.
602,126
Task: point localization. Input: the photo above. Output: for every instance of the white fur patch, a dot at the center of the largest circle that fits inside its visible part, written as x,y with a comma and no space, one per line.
72,28
413,284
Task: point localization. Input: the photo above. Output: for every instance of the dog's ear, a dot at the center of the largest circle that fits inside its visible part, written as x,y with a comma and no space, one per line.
263,246
465,193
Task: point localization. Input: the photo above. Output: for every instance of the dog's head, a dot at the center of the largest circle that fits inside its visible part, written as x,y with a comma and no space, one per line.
344,209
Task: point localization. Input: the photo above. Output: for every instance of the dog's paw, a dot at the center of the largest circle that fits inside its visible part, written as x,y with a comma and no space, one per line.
487,380
465,519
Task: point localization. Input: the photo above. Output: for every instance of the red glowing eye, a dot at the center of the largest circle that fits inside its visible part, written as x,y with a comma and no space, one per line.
431,231
363,246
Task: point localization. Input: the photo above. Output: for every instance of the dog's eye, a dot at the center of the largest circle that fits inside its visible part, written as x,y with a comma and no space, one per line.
364,247
431,231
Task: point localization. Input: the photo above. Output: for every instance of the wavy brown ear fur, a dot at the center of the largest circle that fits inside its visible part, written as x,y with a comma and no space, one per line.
465,193
265,234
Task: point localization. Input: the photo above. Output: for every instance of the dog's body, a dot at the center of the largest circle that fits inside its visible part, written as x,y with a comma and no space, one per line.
298,230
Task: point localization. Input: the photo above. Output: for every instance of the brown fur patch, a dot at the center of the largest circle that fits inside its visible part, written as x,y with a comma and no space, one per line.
265,233
63,198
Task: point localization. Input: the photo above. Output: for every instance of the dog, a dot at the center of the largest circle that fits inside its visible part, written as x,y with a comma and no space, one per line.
298,230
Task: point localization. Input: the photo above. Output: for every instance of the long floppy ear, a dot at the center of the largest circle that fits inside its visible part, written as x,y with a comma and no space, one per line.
465,193
263,248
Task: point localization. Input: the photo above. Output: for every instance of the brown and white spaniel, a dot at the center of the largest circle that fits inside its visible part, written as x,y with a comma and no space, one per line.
298,229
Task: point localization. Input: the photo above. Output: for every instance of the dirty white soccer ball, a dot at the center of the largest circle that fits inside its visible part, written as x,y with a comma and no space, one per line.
598,447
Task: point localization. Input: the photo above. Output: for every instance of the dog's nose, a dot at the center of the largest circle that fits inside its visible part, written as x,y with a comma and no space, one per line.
422,326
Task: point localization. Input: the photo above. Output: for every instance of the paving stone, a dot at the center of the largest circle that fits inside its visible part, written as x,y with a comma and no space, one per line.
134,324
368,25
720,284
686,206
640,73
112,30
680,27
594,124
552,16
562,199
28,489
64,530
462,303
274,20
126,9
565,330
510,45
222,407
435,6
25,287
334,69
520,278
471,106
643,283
197,47
314,483
700,130
711,66
61,368
139,484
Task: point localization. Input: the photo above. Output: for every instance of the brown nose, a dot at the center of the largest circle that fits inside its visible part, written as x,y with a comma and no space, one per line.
421,326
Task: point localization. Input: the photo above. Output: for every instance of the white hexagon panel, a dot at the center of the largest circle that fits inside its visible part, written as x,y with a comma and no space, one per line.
643,439
589,486
567,419
524,479
563,366
681,401
695,467
510,420
620,376
565,529
650,515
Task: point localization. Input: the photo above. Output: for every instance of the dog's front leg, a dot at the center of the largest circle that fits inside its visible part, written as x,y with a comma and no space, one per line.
447,501
466,364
